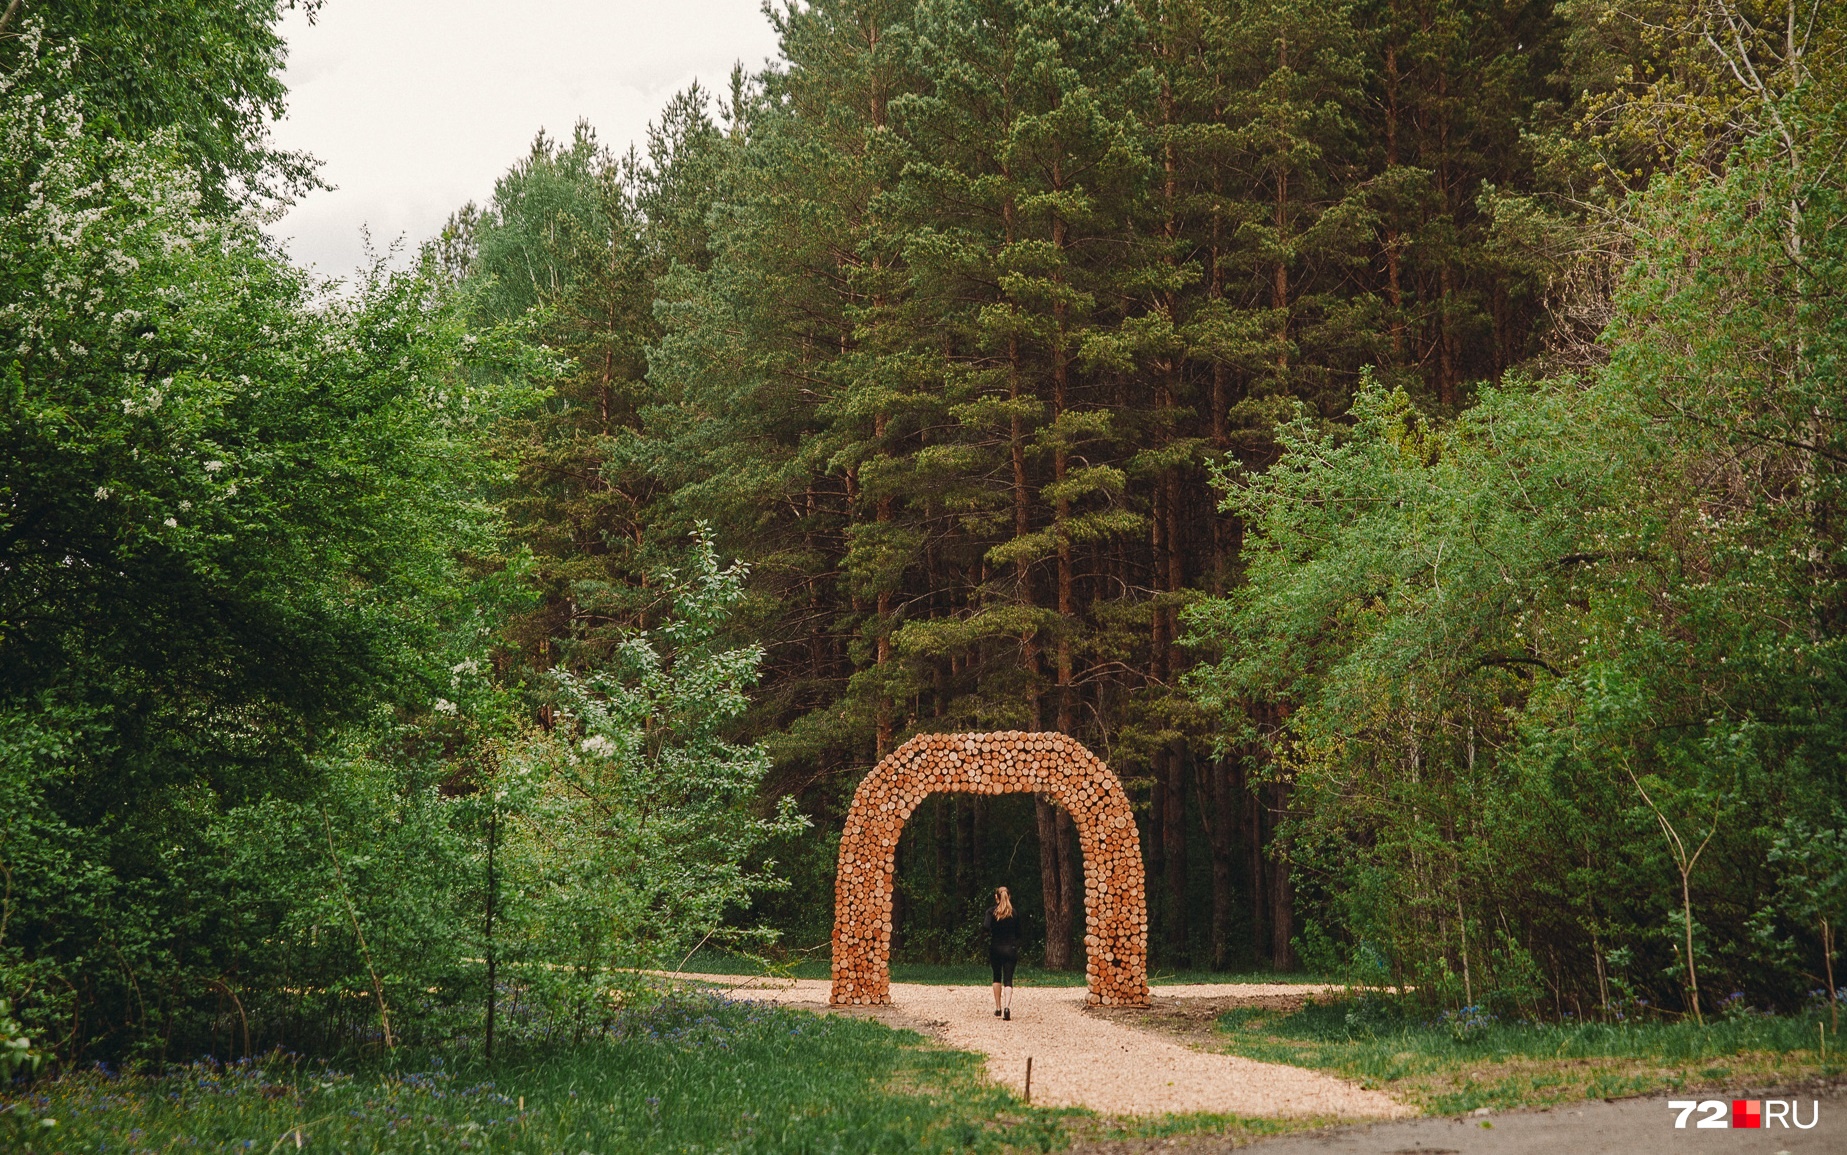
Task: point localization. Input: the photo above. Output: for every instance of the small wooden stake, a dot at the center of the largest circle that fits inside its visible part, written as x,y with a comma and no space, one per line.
1029,1080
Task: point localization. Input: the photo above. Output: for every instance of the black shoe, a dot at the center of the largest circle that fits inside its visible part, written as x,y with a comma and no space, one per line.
1007,1015
997,1012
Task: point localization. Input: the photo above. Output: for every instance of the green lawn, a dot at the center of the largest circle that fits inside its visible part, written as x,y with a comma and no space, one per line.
690,1075
1447,1064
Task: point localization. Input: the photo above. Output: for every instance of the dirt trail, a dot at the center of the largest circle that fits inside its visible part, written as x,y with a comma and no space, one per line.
1084,1058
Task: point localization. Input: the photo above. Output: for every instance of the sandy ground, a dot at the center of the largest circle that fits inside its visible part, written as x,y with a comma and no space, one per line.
1084,1058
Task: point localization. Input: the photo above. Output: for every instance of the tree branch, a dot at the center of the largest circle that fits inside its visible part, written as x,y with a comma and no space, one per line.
1513,662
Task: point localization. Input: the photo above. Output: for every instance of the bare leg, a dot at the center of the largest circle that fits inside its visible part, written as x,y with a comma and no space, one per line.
1009,994
997,996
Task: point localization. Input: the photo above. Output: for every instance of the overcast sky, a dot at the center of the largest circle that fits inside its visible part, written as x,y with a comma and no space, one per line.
416,106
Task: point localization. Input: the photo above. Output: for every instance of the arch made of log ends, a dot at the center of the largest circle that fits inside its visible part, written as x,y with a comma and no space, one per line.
1115,893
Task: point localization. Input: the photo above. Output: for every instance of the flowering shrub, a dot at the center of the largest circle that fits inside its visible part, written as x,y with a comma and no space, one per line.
232,500
632,827
1467,1024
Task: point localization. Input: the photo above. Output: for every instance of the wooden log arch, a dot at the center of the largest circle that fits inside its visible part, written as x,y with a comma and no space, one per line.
1115,895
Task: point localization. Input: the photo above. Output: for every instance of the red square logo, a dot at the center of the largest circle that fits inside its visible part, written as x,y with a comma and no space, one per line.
1747,1112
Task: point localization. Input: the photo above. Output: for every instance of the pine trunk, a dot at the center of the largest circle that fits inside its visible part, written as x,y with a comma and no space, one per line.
1216,806
1282,893
1254,865
1054,888
1173,834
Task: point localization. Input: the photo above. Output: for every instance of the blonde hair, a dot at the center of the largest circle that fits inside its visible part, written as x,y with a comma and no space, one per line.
1003,903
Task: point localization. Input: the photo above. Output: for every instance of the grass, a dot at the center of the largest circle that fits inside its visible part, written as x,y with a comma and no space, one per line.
1455,1064
1122,1132
968,974
690,1075
695,1074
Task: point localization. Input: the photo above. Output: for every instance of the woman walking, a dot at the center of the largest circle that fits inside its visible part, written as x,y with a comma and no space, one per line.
1003,949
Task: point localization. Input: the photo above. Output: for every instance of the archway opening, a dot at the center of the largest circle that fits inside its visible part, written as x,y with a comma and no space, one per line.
953,851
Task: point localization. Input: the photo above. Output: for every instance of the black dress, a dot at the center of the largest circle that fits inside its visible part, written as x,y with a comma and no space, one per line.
1003,946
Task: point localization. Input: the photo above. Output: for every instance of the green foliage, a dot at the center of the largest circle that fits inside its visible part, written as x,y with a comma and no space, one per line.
1559,671
1811,861
233,511
20,1125
17,1055
260,738
635,826
203,74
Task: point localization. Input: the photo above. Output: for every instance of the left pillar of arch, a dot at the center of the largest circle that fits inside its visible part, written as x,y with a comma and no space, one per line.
863,892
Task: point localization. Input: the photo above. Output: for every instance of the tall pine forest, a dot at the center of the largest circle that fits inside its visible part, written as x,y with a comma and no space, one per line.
960,322
1403,438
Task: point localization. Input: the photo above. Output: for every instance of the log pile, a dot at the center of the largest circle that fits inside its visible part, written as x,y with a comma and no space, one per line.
1115,902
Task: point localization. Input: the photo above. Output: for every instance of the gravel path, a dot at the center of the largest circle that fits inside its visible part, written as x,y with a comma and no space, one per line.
1083,1059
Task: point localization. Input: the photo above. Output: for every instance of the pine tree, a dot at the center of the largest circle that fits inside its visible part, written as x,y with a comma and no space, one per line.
559,246
987,287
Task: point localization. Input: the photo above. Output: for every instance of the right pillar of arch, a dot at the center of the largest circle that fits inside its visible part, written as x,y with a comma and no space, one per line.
1115,893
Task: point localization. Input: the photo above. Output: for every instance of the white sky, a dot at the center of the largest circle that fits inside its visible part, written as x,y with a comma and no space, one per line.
416,106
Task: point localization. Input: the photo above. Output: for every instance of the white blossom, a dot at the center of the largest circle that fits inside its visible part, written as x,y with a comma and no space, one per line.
598,746
445,706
